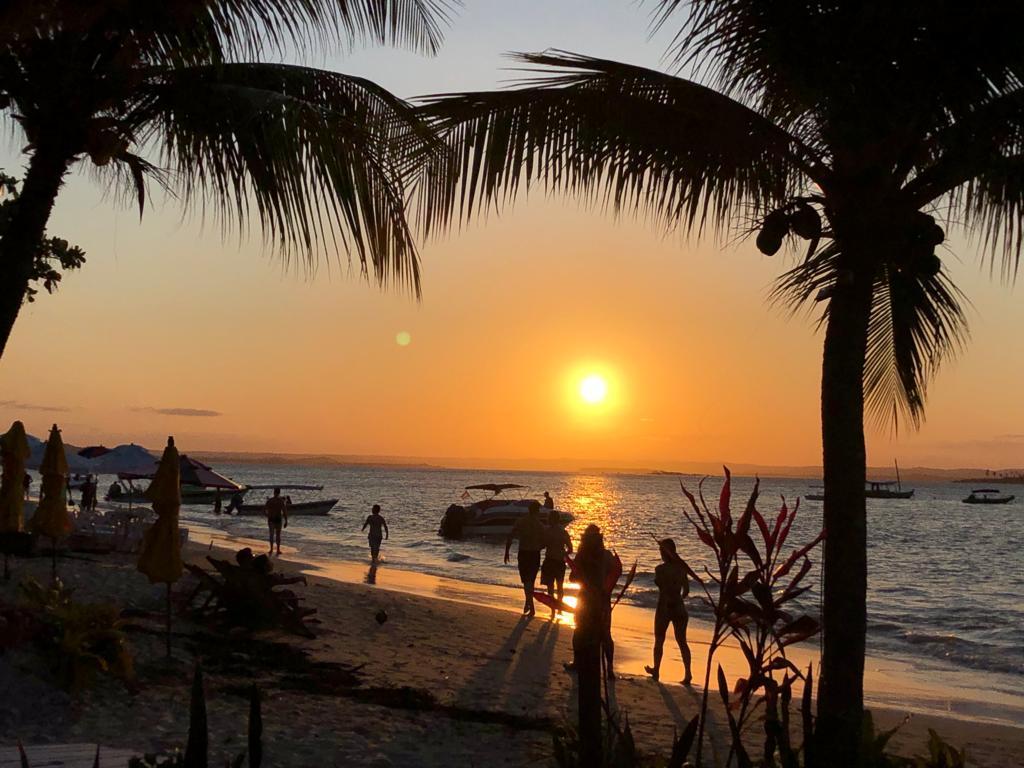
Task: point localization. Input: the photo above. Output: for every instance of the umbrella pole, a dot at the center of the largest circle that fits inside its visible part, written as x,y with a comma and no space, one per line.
168,619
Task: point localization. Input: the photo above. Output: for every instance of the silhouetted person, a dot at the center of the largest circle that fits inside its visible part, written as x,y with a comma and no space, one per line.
216,502
530,532
673,587
552,572
593,568
27,483
235,503
277,517
549,503
377,524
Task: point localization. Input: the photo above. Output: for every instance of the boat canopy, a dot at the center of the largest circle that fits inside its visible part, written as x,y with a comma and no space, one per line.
493,487
285,487
985,490
882,482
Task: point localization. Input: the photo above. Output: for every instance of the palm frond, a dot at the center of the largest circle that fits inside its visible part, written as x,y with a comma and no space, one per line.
916,323
314,157
629,137
207,31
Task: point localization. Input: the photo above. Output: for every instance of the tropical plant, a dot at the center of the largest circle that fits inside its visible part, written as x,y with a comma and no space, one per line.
751,599
177,95
196,754
843,124
78,640
53,256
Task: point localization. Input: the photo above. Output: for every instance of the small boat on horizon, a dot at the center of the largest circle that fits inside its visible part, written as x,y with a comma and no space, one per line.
988,496
491,517
876,489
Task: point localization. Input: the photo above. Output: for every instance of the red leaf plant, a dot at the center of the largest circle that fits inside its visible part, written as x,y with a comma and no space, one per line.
755,609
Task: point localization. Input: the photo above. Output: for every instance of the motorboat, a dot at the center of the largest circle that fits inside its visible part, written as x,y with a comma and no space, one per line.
491,516
122,491
307,507
988,496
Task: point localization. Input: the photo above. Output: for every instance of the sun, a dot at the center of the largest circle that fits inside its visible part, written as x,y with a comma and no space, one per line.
593,389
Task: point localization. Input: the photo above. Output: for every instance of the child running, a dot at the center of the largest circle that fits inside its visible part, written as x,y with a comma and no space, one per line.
673,587
376,524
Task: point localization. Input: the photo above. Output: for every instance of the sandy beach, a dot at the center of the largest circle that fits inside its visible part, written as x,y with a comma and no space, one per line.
447,679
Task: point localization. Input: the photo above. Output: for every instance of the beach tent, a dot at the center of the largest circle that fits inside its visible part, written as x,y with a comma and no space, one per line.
191,472
160,556
14,452
51,517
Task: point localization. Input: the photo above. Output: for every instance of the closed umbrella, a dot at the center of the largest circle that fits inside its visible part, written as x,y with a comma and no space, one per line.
14,452
160,556
51,517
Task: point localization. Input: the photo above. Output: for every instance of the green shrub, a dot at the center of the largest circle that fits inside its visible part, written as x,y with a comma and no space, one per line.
78,640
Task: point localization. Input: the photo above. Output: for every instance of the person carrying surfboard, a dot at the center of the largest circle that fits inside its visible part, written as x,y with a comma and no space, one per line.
597,570
552,572
673,587
530,532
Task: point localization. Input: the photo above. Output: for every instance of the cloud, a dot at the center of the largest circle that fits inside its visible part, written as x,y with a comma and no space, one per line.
201,412
32,406
1011,436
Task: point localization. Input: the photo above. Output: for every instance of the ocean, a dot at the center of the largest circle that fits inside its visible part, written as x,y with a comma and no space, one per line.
945,578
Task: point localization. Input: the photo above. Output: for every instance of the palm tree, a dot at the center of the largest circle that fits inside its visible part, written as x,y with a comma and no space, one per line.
847,125
176,94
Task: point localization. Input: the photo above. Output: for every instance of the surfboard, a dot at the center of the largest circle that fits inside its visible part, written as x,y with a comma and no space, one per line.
553,602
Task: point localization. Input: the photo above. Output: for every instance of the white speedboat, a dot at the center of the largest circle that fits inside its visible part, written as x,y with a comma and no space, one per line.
491,517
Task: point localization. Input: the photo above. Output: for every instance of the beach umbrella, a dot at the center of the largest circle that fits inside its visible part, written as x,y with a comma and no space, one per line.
14,452
93,451
51,517
160,556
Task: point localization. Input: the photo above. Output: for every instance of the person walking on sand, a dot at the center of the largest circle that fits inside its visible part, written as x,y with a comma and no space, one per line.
673,586
549,503
376,524
552,572
276,509
530,532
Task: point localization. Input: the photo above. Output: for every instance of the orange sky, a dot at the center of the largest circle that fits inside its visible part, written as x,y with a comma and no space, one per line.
515,311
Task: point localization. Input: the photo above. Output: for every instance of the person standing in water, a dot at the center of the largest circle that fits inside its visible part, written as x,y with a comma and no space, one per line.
277,517
673,587
530,532
376,524
552,572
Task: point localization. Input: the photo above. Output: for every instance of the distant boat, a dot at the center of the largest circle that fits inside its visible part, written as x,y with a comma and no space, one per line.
988,496
876,489
310,507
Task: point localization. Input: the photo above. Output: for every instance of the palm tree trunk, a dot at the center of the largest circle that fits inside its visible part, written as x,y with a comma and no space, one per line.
25,231
844,615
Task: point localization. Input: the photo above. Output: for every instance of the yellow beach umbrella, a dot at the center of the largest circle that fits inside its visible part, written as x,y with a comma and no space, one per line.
14,452
160,556
51,517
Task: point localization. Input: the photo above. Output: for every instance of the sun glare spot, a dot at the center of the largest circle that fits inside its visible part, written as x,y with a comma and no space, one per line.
593,389
403,338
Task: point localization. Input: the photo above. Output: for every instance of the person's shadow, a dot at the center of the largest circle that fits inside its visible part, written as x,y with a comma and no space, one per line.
371,574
